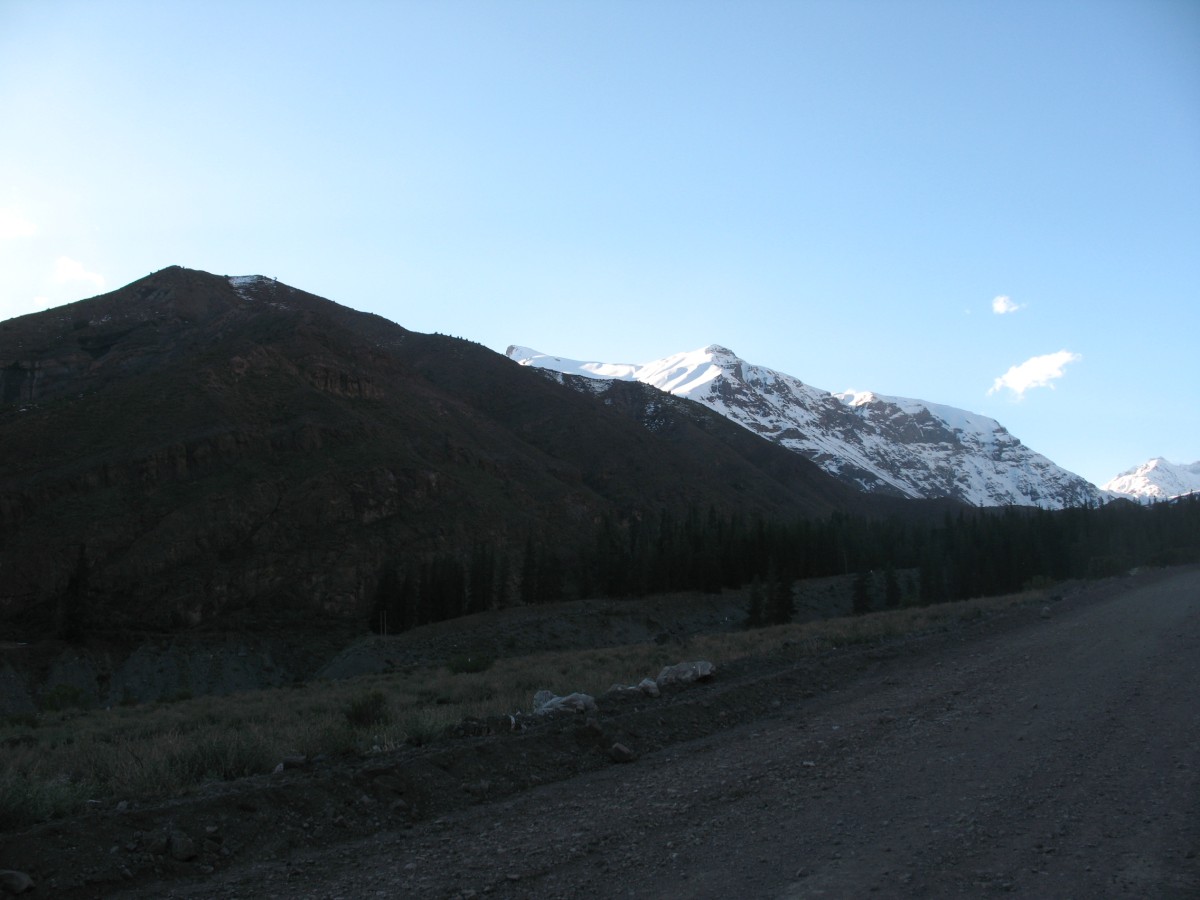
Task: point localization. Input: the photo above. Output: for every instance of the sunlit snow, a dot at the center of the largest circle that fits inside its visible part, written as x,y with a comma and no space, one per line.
1156,479
913,448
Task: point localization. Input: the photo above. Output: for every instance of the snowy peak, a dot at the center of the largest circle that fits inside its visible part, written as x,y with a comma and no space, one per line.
881,444
1156,479
527,356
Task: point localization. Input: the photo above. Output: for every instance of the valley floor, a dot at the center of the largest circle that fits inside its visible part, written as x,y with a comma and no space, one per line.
1045,753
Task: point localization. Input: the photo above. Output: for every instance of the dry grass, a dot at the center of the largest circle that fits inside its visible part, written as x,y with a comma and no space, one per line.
54,764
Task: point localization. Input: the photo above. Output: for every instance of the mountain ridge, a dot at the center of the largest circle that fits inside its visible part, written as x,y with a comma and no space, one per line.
192,449
879,444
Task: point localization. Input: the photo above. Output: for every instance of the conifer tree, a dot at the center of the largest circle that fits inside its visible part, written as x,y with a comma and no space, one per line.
756,612
861,603
782,602
529,574
72,605
891,587
386,614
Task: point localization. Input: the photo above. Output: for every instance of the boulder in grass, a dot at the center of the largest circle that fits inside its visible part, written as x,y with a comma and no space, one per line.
685,673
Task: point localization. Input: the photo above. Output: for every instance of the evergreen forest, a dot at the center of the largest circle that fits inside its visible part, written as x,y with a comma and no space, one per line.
972,553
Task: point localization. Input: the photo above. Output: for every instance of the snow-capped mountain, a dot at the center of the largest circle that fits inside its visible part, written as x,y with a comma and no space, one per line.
1156,479
893,445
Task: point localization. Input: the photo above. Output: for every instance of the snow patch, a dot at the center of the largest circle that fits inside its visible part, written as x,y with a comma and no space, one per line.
244,283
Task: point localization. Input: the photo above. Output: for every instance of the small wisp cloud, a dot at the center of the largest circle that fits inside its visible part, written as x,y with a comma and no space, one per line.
1035,372
1003,305
70,271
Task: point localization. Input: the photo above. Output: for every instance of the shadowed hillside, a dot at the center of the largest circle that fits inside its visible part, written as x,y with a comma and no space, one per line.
193,449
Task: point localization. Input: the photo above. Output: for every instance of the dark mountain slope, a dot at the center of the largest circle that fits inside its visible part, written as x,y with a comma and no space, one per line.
187,448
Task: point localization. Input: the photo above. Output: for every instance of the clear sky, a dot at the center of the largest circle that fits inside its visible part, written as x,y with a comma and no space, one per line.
992,205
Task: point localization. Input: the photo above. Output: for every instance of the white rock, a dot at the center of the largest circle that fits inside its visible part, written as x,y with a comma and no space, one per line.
544,703
685,672
649,687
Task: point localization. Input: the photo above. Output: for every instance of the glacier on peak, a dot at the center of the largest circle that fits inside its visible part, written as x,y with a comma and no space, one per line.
905,447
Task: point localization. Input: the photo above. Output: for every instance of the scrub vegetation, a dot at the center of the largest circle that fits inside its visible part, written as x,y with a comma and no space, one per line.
57,761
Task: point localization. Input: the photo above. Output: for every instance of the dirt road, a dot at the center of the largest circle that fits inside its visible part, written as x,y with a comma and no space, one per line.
1056,758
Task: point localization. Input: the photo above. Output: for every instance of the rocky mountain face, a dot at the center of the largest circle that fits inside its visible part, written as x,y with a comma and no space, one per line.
880,445
1156,479
198,450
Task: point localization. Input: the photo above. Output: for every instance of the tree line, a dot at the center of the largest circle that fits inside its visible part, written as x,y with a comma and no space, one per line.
971,553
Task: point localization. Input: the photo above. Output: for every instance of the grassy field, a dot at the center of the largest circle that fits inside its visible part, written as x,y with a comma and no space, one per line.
55,762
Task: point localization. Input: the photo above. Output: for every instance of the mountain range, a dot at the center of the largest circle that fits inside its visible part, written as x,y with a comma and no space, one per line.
878,444
200,450
1156,479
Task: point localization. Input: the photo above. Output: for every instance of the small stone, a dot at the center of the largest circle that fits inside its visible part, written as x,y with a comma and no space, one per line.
182,847
620,753
14,882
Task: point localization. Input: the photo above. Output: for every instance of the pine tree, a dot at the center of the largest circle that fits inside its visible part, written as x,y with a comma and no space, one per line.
891,587
756,613
529,574
72,605
386,614
862,595
782,602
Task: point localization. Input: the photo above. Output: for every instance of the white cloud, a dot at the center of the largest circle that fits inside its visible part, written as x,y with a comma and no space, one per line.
13,225
1035,372
10,308
67,271
1002,305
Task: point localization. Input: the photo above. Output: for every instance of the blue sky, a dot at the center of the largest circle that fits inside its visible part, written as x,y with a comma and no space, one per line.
838,190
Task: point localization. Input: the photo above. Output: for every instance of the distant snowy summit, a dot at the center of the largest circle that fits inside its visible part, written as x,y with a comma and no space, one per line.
891,445
1156,479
